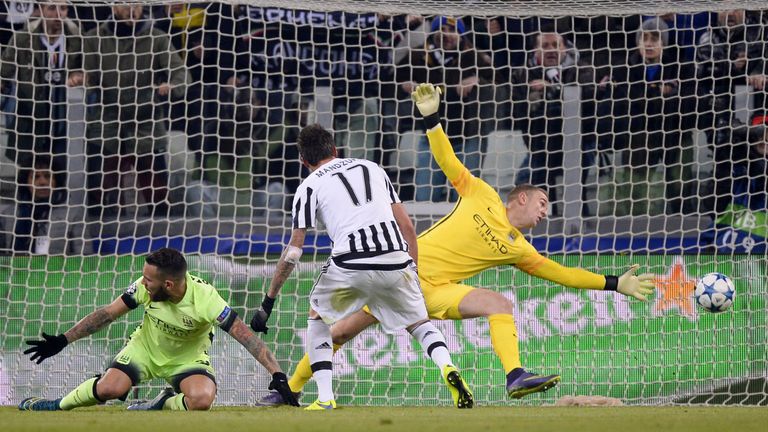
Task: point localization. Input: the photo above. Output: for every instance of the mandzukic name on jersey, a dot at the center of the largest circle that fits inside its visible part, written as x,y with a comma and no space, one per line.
353,198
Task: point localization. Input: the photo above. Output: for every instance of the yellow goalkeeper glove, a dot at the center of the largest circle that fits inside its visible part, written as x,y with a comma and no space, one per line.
427,99
638,287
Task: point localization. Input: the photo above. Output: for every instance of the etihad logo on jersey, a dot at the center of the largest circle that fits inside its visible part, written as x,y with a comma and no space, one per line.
168,328
487,234
333,167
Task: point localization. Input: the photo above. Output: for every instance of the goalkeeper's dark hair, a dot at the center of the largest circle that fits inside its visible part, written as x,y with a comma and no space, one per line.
526,188
169,262
315,144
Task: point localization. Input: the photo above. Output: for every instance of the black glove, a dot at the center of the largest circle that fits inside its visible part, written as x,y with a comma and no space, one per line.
280,384
48,347
259,320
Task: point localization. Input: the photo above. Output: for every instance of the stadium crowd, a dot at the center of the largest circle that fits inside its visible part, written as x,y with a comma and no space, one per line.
240,81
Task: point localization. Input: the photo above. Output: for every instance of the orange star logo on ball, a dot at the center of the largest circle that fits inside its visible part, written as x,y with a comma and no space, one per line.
674,290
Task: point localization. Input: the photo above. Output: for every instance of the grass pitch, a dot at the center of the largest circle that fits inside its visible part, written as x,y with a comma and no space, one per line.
421,419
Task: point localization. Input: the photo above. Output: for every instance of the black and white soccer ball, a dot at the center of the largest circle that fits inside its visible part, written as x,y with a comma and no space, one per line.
715,292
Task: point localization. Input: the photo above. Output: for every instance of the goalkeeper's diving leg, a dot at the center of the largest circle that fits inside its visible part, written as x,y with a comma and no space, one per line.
498,309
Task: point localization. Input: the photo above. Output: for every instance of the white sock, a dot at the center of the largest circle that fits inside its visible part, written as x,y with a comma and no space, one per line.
433,343
320,350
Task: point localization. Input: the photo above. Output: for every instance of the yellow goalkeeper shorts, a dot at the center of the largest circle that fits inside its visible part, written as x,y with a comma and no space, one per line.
442,299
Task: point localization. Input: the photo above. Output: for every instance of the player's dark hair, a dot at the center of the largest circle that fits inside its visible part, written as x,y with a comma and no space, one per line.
315,144
169,262
526,188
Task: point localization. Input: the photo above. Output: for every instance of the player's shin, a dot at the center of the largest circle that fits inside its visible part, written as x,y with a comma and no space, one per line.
504,340
433,343
303,372
320,351
82,396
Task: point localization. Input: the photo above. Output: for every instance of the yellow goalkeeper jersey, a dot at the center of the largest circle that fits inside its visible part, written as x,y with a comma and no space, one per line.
476,234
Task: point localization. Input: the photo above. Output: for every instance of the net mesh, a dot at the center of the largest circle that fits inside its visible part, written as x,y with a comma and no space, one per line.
180,130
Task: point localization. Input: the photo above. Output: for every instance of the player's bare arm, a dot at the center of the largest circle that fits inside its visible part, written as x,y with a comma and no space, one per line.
51,345
97,320
288,261
406,227
254,345
263,355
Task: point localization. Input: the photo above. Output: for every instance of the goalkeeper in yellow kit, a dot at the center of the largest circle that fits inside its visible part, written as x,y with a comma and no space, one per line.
481,232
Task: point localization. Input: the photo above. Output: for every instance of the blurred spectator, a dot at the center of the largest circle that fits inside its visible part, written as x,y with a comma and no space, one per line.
241,150
685,30
184,22
37,196
355,85
392,39
503,39
205,36
538,105
89,16
130,69
39,63
14,15
449,60
281,48
647,111
284,170
741,191
606,39
224,55
730,54
236,143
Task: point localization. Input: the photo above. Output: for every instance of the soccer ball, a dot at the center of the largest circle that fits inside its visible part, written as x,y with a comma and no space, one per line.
714,292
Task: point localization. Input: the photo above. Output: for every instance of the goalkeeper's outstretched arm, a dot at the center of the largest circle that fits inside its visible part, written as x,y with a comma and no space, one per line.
427,99
93,322
288,261
629,284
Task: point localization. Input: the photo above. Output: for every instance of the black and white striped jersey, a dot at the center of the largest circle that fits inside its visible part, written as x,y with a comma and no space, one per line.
353,198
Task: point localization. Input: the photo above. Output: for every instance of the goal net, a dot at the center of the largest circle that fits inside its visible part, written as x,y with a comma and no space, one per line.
131,126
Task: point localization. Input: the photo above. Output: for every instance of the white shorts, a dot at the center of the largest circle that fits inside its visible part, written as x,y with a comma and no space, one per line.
394,297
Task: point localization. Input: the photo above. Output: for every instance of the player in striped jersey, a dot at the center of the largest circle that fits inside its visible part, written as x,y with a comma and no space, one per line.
180,311
481,232
373,261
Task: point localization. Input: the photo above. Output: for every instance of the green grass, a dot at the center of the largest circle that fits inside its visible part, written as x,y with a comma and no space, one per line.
421,419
